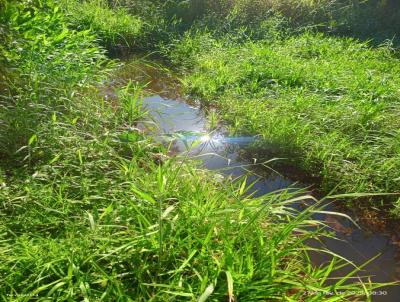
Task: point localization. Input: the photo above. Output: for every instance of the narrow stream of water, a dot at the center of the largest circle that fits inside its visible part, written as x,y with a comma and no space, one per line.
218,151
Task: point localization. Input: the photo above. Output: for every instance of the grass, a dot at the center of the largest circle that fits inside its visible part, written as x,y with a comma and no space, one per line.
374,20
115,28
89,213
48,55
330,104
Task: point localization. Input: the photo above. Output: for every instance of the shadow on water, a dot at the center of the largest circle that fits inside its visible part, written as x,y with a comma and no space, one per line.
181,124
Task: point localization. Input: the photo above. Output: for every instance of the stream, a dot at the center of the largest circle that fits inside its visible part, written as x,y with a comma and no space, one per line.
229,157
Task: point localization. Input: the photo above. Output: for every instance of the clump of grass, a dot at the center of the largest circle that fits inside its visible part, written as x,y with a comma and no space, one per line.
114,26
43,59
213,119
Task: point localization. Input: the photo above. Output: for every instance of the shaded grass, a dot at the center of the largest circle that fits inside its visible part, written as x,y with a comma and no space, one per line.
375,20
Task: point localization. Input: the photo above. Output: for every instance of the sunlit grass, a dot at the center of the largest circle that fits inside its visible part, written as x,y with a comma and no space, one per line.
115,27
89,213
330,104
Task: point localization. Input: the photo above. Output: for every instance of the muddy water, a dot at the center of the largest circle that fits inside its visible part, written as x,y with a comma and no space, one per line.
186,123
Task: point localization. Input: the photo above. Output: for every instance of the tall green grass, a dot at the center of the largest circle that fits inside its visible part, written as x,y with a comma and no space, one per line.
43,60
330,104
89,213
364,19
114,27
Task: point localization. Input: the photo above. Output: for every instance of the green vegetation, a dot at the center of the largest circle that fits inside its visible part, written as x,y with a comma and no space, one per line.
329,104
43,61
115,28
90,212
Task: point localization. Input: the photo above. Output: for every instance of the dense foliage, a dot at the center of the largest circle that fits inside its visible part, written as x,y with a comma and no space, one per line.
330,105
366,19
89,212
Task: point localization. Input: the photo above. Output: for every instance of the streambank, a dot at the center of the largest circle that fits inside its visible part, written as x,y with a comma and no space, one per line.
185,127
91,207
330,104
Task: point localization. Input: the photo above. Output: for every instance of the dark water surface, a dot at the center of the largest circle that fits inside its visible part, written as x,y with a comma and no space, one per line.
184,124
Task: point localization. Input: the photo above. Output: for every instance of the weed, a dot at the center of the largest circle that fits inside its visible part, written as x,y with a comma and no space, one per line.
330,103
114,27
88,214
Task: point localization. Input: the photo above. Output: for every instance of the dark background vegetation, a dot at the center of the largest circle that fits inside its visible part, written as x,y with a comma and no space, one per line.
375,20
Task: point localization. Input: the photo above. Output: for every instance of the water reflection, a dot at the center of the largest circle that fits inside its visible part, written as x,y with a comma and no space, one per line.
185,128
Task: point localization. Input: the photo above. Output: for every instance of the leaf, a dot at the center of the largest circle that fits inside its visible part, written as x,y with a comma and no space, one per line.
167,211
243,186
229,279
74,120
55,158
79,156
186,262
32,139
107,211
61,36
206,294
144,195
91,221
55,287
